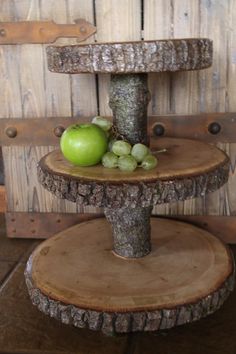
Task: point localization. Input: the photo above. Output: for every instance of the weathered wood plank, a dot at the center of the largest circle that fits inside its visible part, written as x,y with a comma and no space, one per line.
184,86
2,199
29,98
116,21
194,92
84,95
10,91
230,205
212,83
36,96
170,92
1,168
157,25
57,102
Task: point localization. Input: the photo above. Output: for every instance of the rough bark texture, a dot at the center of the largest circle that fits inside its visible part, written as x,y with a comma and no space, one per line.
131,230
131,195
133,57
110,323
129,97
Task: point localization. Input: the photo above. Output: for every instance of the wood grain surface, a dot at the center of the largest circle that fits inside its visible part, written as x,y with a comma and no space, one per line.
183,158
31,332
188,169
96,280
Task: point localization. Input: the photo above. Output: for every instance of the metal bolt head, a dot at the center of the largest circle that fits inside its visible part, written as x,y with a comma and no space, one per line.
11,132
158,129
214,128
58,131
2,32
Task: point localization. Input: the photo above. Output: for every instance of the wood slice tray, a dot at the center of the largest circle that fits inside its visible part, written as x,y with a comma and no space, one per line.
188,169
75,278
132,57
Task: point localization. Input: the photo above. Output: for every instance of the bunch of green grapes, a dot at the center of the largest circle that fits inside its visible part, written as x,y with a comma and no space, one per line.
122,155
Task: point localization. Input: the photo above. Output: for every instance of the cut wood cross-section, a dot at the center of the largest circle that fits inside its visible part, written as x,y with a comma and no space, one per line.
75,278
187,169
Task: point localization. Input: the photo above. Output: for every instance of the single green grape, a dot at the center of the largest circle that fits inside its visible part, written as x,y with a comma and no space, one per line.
139,151
127,163
102,123
149,162
110,144
121,148
110,160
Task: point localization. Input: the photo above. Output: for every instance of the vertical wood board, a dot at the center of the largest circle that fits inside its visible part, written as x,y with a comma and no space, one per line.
30,90
116,21
194,92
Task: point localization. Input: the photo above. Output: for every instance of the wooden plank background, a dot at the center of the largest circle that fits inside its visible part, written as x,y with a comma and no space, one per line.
28,89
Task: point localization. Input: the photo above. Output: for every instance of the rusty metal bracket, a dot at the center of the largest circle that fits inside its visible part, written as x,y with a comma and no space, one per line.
212,127
41,225
44,225
33,132
23,32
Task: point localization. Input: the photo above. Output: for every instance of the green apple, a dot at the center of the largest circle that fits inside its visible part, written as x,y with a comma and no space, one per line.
84,144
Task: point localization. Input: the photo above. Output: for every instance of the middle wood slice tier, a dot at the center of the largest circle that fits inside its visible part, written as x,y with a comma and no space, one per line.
188,169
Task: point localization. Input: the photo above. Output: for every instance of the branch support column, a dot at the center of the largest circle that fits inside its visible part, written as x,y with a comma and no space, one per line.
129,98
131,230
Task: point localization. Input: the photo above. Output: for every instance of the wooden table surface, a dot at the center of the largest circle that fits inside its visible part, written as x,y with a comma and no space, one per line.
24,330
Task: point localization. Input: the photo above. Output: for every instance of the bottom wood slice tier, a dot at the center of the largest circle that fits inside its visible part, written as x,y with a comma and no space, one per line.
75,277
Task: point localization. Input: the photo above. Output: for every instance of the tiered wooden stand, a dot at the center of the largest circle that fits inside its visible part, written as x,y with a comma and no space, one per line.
132,273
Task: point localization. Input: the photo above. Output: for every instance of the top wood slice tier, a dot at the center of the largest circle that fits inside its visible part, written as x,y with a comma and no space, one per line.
188,169
132,57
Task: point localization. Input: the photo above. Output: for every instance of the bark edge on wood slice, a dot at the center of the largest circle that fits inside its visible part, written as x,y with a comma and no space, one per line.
132,57
187,170
122,301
